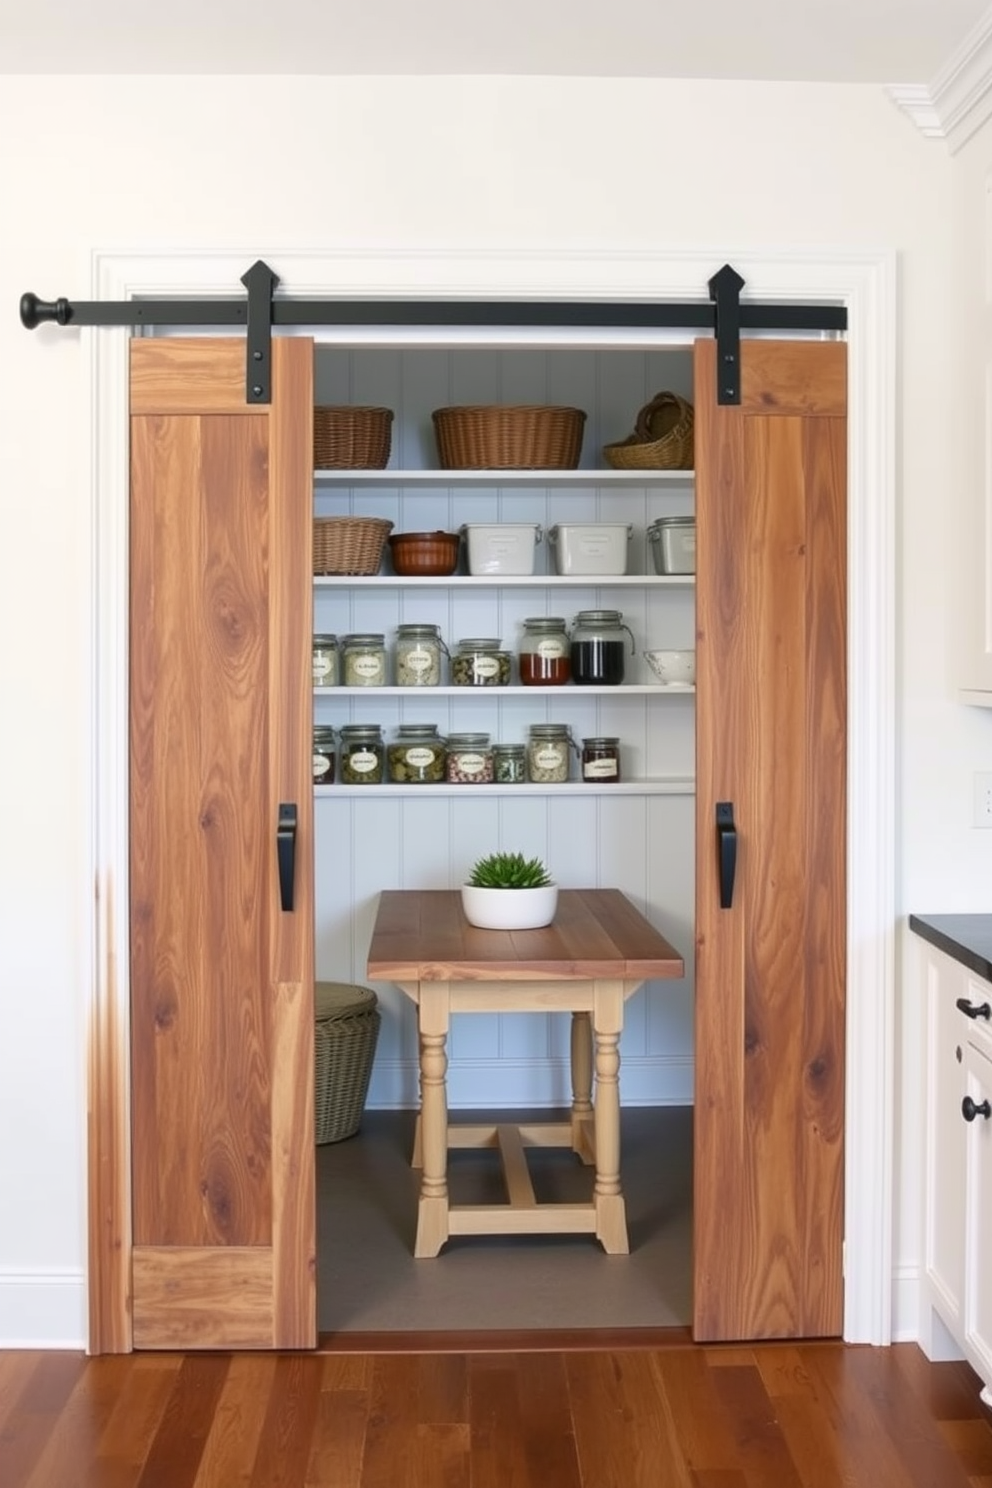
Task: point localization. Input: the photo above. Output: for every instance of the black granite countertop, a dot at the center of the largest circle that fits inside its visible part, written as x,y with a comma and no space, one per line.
965,937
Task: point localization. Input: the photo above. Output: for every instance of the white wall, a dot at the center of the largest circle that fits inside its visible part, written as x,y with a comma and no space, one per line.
268,163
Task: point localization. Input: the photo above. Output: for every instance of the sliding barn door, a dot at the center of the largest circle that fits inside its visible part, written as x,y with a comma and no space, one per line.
221,968
771,817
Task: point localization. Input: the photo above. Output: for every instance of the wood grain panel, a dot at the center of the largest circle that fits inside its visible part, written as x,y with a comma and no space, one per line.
191,1297
213,380
771,738
805,378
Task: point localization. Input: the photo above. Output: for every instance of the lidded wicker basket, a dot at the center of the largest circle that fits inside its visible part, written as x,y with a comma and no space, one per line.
351,437
504,436
346,1031
349,545
662,437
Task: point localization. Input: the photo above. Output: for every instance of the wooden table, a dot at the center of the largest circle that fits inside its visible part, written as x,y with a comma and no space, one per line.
595,955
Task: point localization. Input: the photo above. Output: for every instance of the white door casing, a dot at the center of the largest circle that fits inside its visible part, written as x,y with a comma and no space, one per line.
866,285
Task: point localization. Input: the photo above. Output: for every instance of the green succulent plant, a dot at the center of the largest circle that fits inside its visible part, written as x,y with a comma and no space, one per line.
502,870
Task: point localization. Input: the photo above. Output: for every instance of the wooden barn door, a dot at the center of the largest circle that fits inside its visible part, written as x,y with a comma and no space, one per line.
221,969
771,753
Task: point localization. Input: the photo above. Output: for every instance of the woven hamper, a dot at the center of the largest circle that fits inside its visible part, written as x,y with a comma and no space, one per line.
345,1035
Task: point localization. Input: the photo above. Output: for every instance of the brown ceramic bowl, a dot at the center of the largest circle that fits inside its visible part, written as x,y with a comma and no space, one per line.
430,554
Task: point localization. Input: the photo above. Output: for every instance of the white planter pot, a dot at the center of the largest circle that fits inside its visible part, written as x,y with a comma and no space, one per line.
509,909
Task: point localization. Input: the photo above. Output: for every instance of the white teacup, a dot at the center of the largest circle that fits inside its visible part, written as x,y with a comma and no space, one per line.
673,666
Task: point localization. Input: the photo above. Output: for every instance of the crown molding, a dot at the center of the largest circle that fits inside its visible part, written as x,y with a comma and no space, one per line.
959,100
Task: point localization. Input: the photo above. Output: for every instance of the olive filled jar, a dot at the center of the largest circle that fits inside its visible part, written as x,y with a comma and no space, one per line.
480,662
543,654
598,648
361,754
323,755
548,746
418,655
416,756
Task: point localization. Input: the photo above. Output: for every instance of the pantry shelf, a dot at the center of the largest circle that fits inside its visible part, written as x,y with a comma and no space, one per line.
503,477
626,689
671,785
506,581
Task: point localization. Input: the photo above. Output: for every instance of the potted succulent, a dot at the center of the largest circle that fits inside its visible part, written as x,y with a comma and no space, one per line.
506,891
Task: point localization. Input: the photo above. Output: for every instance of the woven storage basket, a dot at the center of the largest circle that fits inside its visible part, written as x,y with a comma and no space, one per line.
351,437
349,545
345,1035
662,437
503,436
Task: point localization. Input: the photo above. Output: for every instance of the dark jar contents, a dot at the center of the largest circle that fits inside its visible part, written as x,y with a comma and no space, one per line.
323,756
601,759
543,657
598,646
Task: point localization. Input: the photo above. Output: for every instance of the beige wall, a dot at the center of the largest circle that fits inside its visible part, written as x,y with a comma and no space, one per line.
267,164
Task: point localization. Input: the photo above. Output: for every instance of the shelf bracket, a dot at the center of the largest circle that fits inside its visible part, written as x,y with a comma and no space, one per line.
725,291
259,281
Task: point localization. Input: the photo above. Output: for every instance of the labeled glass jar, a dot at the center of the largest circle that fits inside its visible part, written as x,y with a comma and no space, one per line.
362,754
598,648
416,756
480,662
543,655
326,662
509,764
417,658
363,660
601,759
470,759
548,746
323,755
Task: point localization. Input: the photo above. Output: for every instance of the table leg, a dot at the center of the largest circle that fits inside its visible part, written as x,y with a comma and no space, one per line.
581,1062
611,1217
432,1213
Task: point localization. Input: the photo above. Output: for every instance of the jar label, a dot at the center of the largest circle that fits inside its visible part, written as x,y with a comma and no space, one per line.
471,764
486,666
551,648
549,757
419,660
368,667
420,758
321,667
321,765
363,760
601,769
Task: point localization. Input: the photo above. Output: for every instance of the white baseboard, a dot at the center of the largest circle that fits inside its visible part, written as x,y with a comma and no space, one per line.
906,1292
508,1084
43,1309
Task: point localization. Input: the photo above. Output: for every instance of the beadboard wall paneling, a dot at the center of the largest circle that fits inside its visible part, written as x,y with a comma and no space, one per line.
642,845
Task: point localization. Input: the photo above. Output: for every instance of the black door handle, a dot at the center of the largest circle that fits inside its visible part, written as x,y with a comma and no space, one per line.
969,1110
973,1010
726,835
286,852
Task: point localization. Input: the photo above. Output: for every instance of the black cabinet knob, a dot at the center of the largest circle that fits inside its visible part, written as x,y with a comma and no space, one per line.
972,1009
969,1110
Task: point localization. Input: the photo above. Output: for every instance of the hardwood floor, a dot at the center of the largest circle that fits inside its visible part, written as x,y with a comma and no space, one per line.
772,1416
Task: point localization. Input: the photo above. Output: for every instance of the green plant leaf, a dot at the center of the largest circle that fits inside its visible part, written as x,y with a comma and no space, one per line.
504,870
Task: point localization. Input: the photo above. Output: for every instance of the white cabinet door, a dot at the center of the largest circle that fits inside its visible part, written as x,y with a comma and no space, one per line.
946,1138
978,1261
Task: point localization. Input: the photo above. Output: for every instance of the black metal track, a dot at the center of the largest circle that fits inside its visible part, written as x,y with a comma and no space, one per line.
260,310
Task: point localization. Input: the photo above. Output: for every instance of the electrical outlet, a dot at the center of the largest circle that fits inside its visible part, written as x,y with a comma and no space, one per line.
983,798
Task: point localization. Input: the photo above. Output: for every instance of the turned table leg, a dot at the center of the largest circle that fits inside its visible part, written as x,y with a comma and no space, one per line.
581,1062
432,1213
611,1217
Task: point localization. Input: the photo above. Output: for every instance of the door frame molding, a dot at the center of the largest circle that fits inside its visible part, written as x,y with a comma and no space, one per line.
866,284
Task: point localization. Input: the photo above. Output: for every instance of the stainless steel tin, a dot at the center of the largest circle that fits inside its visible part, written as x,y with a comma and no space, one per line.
673,545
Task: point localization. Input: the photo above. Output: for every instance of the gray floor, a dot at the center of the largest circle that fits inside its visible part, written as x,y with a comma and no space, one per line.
368,1279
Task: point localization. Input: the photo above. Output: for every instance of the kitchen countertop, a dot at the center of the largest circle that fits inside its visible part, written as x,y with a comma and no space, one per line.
965,937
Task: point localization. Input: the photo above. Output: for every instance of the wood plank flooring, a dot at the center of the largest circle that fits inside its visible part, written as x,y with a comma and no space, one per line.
772,1416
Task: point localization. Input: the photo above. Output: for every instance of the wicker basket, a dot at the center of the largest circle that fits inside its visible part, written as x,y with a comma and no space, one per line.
509,437
351,438
662,437
345,1035
349,545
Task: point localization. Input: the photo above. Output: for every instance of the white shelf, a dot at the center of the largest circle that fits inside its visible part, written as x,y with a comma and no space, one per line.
503,477
626,689
505,581
671,785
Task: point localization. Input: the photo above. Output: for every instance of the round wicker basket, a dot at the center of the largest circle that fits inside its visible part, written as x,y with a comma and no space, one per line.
662,437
